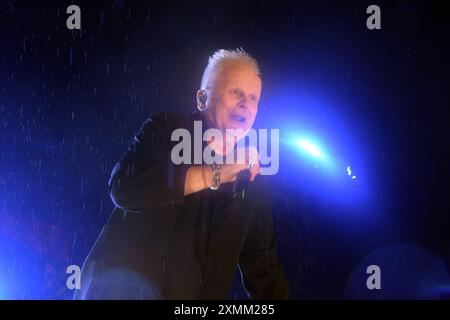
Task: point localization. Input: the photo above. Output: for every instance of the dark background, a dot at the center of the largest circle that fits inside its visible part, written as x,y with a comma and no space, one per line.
70,102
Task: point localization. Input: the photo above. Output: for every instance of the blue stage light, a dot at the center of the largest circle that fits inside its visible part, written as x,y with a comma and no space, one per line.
309,147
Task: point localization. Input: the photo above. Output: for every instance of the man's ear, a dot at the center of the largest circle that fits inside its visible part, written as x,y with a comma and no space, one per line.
201,99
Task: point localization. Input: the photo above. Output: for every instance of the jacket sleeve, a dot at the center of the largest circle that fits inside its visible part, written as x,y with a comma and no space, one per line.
145,176
262,274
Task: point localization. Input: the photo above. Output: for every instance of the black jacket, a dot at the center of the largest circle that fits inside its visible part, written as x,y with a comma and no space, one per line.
159,244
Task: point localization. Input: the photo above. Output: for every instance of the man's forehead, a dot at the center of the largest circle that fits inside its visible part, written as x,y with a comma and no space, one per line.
237,67
236,72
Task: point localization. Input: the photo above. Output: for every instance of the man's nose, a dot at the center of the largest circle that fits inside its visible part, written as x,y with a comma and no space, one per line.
243,101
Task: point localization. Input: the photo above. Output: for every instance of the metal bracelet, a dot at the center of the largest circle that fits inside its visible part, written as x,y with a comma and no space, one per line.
215,176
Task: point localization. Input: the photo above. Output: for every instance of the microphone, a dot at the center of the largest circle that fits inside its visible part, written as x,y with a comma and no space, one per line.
241,183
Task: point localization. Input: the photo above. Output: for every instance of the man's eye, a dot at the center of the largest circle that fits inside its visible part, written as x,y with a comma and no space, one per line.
236,92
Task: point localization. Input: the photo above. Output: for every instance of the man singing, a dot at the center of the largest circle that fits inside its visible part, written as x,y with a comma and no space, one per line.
178,231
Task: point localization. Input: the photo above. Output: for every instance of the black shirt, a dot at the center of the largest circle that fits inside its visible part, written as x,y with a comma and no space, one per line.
160,244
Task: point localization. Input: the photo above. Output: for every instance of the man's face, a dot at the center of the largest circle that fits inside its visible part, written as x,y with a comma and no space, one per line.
233,95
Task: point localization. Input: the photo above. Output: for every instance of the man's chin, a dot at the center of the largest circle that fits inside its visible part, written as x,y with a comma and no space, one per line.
238,132
237,126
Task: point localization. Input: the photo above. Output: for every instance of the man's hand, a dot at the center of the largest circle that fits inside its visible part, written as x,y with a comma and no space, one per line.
200,177
230,171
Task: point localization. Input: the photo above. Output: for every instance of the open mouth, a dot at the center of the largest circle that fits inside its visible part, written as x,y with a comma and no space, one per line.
238,118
